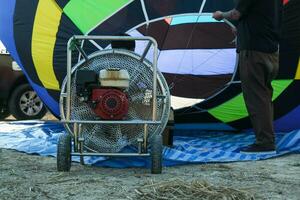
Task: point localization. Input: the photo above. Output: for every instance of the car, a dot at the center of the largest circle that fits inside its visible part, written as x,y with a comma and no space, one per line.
17,97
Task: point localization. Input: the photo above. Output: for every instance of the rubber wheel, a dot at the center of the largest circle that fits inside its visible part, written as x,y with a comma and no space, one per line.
64,153
3,113
24,104
156,154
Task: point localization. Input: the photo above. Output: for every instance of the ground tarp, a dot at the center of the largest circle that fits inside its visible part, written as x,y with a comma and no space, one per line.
202,147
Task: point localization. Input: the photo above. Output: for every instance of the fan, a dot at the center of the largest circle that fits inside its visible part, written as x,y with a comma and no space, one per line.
112,99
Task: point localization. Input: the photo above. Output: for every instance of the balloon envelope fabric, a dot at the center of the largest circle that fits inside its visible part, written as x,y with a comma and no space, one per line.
196,53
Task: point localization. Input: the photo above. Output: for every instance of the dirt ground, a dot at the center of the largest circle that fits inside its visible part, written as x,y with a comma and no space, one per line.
34,177
24,176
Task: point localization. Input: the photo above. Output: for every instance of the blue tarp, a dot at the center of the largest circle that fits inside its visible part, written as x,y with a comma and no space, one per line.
201,147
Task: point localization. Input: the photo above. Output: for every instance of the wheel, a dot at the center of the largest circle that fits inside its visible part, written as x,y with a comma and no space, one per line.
24,104
3,113
64,153
156,154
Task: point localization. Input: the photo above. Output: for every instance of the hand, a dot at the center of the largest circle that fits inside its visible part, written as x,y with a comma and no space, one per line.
218,15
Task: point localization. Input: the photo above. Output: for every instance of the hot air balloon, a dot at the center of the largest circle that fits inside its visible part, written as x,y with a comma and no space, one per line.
196,54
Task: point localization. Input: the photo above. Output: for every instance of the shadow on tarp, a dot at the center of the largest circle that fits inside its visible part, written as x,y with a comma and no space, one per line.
204,147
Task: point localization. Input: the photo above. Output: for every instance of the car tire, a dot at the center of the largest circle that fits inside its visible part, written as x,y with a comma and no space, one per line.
24,104
3,113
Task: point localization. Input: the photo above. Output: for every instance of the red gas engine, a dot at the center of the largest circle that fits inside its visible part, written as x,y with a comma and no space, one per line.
106,92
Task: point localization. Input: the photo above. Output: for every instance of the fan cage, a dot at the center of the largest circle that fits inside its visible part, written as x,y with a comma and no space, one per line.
114,137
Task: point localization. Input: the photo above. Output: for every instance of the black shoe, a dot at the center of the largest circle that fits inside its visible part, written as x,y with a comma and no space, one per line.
258,149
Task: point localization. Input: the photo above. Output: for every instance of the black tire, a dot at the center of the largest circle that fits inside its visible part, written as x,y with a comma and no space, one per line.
3,113
64,153
30,108
156,154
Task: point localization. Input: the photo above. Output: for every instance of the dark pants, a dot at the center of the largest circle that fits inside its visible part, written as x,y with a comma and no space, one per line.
257,70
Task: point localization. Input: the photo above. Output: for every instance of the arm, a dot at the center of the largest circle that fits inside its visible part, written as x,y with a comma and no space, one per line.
241,9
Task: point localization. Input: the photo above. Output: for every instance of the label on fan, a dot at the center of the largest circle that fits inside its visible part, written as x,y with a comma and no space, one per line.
147,97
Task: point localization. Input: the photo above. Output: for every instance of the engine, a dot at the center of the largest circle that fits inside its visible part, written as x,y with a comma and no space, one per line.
105,92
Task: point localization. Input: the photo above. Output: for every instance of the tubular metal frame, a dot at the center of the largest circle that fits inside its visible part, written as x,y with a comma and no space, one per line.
78,139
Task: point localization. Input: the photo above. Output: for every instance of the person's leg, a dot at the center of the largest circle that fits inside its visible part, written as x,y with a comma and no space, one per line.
256,72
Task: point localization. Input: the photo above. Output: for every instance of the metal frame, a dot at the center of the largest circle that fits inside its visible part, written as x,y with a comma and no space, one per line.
66,94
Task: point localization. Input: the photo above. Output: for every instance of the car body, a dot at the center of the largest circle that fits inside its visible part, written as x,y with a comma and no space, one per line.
16,95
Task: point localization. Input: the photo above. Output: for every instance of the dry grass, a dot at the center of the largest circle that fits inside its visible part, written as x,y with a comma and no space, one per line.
179,189
48,116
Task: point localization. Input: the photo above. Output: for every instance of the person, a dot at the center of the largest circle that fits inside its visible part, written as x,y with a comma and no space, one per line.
258,33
